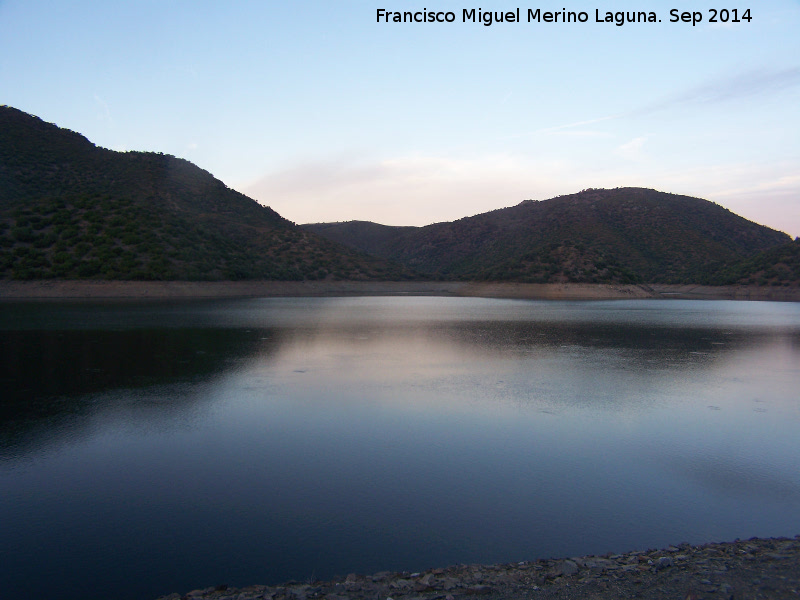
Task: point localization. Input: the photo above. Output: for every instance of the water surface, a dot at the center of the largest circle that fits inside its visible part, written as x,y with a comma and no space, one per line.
159,447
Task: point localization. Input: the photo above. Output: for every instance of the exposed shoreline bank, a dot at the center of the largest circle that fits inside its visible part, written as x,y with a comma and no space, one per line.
754,568
142,290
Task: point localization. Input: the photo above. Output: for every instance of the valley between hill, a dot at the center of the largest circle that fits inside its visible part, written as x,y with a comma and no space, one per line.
72,211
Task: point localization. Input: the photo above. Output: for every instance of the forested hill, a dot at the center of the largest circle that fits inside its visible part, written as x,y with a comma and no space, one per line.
776,266
70,209
624,235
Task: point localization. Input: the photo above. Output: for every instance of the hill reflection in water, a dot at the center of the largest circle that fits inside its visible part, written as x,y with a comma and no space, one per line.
178,445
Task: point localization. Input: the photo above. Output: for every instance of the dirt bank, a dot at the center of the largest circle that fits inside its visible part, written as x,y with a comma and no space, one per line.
554,291
31,290
727,292
63,290
752,569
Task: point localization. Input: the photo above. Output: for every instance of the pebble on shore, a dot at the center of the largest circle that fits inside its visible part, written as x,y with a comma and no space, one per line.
757,568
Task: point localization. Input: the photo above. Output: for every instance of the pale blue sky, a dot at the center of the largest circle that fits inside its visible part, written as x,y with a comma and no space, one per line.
323,114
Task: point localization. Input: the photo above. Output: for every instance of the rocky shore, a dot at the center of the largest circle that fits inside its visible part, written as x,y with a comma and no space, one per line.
741,570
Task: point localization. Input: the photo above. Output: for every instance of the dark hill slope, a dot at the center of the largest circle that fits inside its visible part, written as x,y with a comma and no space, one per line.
69,209
777,266
372,238
620,235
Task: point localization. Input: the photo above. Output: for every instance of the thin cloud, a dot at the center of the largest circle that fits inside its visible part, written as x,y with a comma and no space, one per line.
582,133
633,150
104,112
412,190
744,85
757,82
578,124
786,185
564,129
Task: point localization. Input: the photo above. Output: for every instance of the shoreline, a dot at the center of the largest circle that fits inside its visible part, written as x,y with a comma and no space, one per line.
754,568
166,290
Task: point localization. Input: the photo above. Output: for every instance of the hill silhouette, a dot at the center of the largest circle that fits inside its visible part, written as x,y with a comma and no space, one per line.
624,235
70,209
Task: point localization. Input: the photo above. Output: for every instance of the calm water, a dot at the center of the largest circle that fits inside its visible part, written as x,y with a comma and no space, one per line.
152,448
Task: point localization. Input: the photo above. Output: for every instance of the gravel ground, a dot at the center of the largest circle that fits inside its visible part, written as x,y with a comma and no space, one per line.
742,570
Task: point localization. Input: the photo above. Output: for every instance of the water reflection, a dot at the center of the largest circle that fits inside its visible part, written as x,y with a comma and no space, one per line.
175,446
50,378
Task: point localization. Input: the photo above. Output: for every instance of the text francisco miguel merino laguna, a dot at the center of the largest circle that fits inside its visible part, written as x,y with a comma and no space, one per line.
619,18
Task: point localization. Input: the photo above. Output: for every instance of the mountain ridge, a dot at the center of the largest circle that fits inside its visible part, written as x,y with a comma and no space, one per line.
622,235
70,209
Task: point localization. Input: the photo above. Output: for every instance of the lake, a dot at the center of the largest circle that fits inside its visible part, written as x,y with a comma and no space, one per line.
148,448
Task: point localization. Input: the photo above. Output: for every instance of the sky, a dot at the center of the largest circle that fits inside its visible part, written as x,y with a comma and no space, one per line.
321,112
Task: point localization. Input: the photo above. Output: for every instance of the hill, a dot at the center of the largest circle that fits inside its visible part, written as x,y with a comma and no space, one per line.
372,238
776,266
70,209
625,235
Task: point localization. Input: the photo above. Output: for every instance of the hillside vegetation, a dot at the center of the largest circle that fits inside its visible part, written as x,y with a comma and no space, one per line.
777,266
626,235
72,210
69,209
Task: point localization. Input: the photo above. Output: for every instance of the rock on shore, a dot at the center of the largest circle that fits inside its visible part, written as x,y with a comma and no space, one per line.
751,569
